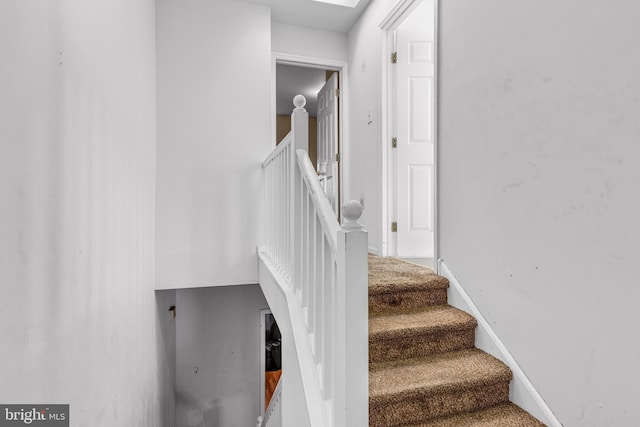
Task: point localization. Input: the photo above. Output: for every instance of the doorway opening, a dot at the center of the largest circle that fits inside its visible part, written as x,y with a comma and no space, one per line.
270,359
322,82
292,80
409,150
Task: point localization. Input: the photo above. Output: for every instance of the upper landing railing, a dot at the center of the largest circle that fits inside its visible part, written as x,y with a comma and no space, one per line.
325,264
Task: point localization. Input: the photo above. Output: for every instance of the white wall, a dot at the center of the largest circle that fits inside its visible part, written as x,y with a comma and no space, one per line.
311,42
77,177
539,120
363,157
214,130
218,335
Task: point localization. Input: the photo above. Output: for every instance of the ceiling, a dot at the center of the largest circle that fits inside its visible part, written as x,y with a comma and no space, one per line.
310,13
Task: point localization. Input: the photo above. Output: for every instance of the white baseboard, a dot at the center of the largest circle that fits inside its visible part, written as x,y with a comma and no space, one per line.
373,250
522,391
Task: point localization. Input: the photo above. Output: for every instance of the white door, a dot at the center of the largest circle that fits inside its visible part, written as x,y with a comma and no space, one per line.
328,139
415,133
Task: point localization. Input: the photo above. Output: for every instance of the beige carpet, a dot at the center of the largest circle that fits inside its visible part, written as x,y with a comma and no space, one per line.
423,367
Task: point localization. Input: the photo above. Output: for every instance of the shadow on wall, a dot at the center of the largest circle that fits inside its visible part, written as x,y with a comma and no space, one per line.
192,413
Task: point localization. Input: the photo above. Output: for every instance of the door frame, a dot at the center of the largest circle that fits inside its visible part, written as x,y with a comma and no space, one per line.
263,343
387,193
343,73
264,312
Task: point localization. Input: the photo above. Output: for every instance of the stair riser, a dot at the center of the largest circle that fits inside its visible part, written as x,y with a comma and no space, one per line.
406,301
408,409
404,347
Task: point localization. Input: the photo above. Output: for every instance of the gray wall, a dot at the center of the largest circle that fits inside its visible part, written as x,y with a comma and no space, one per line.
167,349
539,190
309,42
363,170
214,131
79,322
218,356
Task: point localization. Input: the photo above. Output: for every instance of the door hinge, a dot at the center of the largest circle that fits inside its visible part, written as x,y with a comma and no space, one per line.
337,93
394,57
394,227
394,142
337,157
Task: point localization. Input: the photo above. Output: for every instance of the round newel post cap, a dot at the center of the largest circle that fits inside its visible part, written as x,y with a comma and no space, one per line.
299,101
351,212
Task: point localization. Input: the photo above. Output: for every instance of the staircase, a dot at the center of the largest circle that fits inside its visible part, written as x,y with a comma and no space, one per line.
423,367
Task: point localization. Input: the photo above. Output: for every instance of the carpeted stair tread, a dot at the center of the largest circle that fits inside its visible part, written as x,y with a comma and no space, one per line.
430,319
414,391
435,374
386,274
505,415
396,286
432,330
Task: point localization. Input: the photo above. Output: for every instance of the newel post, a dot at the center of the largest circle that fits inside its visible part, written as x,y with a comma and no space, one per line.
353,312
300,130
300,124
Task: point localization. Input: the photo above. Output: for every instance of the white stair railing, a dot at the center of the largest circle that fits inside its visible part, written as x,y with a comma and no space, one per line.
273,415
325,265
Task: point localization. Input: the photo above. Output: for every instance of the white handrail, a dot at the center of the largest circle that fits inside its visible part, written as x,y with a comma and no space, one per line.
326,213
325,266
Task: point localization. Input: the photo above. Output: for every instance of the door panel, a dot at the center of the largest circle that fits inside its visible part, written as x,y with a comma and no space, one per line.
328,140
415,132
420,95
420,208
